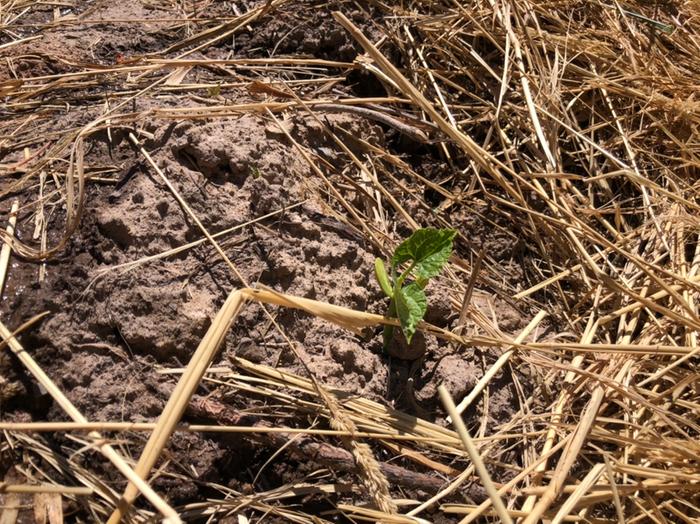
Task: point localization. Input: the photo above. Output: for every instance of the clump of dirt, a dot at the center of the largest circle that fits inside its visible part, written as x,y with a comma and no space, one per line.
307,30
137,33
10,385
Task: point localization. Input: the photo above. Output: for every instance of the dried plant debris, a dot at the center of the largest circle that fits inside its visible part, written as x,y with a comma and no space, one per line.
193,197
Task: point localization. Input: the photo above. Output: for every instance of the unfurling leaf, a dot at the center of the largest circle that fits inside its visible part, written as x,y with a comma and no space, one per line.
428,249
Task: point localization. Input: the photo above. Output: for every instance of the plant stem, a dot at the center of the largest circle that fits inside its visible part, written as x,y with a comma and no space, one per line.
404,276
388,332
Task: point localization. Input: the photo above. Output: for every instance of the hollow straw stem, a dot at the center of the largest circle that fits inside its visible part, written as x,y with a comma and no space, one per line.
502,360
50,427
581,489
45,488
7,247
474,455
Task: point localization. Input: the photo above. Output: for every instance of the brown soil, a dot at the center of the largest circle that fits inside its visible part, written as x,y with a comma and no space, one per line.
109,330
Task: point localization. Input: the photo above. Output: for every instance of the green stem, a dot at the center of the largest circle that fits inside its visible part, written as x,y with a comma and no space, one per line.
404,276
388,333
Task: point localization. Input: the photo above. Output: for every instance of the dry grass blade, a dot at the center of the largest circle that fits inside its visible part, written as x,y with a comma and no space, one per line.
502,360
570,503
6,249
475,456
47,488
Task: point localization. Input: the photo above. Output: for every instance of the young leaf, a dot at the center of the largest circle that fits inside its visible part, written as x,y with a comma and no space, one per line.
411,306
428,248
382,277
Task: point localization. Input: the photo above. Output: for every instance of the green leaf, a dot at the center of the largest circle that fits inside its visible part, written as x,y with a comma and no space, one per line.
382,277
428,248
411,305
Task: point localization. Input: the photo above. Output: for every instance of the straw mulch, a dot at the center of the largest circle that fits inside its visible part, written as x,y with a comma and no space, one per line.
574,121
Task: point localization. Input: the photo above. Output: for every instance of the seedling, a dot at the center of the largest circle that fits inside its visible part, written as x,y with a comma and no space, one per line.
255,171
423,255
